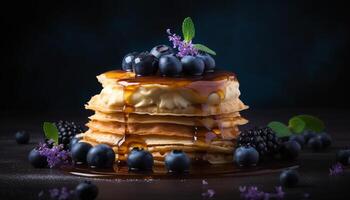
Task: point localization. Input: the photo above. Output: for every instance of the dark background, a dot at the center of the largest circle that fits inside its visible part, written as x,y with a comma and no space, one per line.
286,53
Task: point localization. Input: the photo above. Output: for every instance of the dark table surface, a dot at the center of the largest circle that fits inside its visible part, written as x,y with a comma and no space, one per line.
19,180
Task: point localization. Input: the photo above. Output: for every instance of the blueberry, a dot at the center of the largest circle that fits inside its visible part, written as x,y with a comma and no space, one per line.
298,138
128,60
161,50
22,137
315,144
246,156
177,161
100,156
37,160
325,139
86,191
289,178
209,62
169,65
73,141
290,149
343,156
192,65
140,160
79,151
145,64
308,135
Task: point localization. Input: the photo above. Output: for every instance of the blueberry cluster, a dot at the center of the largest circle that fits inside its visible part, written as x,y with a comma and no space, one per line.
264,140
162,60
102,156
66,132
313,140
99,156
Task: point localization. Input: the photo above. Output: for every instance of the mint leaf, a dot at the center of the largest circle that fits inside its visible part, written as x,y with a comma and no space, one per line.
280,129
51,131
188,29
201,47
311,122
297,125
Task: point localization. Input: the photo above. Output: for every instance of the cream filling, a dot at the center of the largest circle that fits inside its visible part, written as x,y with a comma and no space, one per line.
165,97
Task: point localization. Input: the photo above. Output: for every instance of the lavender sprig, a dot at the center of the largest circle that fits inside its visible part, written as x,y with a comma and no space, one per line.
185,48
253,193
57,194
336,169
56,156
207,192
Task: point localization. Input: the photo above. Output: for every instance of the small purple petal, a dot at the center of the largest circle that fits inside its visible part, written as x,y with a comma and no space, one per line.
253,193
209,193
336,169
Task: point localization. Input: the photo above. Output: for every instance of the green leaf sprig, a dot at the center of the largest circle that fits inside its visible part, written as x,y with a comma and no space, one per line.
189,31
51,131
297,125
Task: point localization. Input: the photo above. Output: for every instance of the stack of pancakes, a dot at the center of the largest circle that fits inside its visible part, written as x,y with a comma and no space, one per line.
199,115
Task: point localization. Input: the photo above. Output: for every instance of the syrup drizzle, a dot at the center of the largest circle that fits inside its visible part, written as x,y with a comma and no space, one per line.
195,134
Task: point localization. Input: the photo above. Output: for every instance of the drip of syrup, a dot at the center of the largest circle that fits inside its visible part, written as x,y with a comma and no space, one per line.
195,134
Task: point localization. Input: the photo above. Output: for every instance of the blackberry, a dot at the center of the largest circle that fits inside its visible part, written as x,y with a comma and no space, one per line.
264,140
67,131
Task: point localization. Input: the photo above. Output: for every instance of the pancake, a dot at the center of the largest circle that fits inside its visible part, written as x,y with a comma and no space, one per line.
118,128
99,103
211,94
159,146
209,122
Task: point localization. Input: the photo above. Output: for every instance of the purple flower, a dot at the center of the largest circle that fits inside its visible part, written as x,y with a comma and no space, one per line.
336,169
184,48
253,193
204,182
60,194
209,193
56,156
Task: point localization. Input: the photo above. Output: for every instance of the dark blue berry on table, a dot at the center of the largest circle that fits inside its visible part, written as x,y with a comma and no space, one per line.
315,144
326,139
86,191
246,156
290,149
308,135
66,132
79,152
161,50
22,137
145,64
140,160
289,178
193,66
298,138
37,160
343,156
128,60
209,62
73,141
100,156
170,65
177,161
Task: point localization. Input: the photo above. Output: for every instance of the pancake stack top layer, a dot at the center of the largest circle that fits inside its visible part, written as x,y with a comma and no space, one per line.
199,115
